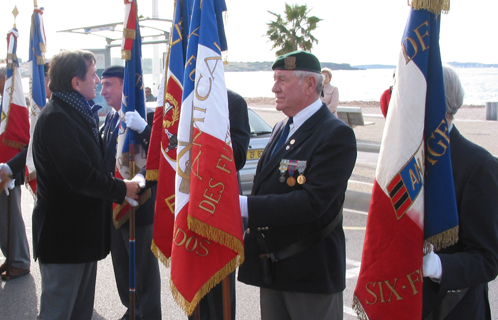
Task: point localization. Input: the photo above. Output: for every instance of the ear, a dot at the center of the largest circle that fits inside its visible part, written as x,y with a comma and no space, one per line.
311,84
75,83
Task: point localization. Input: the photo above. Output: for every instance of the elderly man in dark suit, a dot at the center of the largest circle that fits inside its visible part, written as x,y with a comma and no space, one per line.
295,244
456,286
71,222
148,280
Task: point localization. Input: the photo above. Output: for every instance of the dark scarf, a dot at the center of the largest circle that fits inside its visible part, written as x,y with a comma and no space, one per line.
83,108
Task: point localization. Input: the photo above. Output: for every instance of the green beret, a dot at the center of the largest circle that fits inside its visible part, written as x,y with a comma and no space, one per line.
297,60
113,71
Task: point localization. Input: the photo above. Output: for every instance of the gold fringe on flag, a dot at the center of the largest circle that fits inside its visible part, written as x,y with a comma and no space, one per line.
159,255
216,235
189,307
40,60
358,308
434,6
152,175
118,223
443,239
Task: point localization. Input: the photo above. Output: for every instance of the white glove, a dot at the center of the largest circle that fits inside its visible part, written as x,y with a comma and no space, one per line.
132,202
140,179
244,211
5,171
432,267
134,121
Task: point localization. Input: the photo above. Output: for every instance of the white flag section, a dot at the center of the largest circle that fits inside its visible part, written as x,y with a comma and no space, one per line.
403,141
206,107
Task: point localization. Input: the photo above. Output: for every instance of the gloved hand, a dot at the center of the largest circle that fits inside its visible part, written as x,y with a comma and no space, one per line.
9,184
244,211
135,122
5,171
131,201
432,267
140,179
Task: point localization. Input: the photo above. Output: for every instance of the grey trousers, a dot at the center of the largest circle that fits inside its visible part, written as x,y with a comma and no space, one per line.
19,249
147,276
68,291
285,305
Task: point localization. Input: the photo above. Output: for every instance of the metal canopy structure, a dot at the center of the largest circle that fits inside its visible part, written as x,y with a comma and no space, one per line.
150,29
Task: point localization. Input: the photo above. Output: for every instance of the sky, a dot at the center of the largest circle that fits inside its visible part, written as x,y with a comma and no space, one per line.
355,32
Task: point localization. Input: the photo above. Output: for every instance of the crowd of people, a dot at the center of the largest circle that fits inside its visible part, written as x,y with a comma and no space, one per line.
295,247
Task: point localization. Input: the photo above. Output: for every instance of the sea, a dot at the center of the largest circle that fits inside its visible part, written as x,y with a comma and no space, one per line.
480,84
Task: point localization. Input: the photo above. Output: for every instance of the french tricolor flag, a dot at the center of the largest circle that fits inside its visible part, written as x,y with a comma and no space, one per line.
413,200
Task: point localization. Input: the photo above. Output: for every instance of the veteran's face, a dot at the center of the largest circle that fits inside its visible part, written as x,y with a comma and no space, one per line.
112,91
290,93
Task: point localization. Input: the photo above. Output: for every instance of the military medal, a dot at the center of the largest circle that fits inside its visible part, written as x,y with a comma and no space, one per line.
283,169
291,181
291,167
301,166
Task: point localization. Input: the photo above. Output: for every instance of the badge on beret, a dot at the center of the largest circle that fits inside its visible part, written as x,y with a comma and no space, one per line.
290,63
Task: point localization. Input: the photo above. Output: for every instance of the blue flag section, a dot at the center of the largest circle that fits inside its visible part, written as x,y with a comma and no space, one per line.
36,57
133,90
216,42
440,211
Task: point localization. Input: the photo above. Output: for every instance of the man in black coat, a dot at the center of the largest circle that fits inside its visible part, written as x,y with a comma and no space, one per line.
147,276
297,200
456,286
71,221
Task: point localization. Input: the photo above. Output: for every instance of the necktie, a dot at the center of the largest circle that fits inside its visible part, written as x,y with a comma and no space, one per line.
283,136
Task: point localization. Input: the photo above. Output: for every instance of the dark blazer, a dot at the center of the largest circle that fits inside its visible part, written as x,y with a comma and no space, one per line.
18,166
239,127
290,214
71,223
145,212
473,261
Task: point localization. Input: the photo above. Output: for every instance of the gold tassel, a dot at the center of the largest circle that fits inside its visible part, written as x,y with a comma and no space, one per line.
152,175
159,255
126,54
43,47
434,6
129,34
40,60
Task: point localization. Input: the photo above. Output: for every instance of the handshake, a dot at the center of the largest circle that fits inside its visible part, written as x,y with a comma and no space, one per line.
133,187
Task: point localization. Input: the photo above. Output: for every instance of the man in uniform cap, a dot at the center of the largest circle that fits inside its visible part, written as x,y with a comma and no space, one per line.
294,244
148,281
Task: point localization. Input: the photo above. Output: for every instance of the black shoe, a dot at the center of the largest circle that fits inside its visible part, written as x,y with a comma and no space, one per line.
14,273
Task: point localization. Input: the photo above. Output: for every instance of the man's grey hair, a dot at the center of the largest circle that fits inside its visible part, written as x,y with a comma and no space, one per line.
301,75
453,91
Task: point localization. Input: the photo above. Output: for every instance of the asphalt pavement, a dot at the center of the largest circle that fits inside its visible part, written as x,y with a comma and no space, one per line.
19,298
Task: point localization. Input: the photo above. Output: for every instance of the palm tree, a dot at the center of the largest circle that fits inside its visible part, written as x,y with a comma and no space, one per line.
295,32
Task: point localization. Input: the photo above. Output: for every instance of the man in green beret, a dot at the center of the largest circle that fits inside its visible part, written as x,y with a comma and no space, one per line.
294,245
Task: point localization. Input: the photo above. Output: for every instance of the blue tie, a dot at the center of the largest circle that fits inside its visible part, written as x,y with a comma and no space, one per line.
283,136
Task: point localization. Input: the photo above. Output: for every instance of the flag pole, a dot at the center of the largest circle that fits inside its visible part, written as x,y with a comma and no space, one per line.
226,299
9,226
132,237
15,12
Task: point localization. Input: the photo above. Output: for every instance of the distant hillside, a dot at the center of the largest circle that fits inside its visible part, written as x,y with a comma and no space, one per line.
375,66
266,66
471,65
